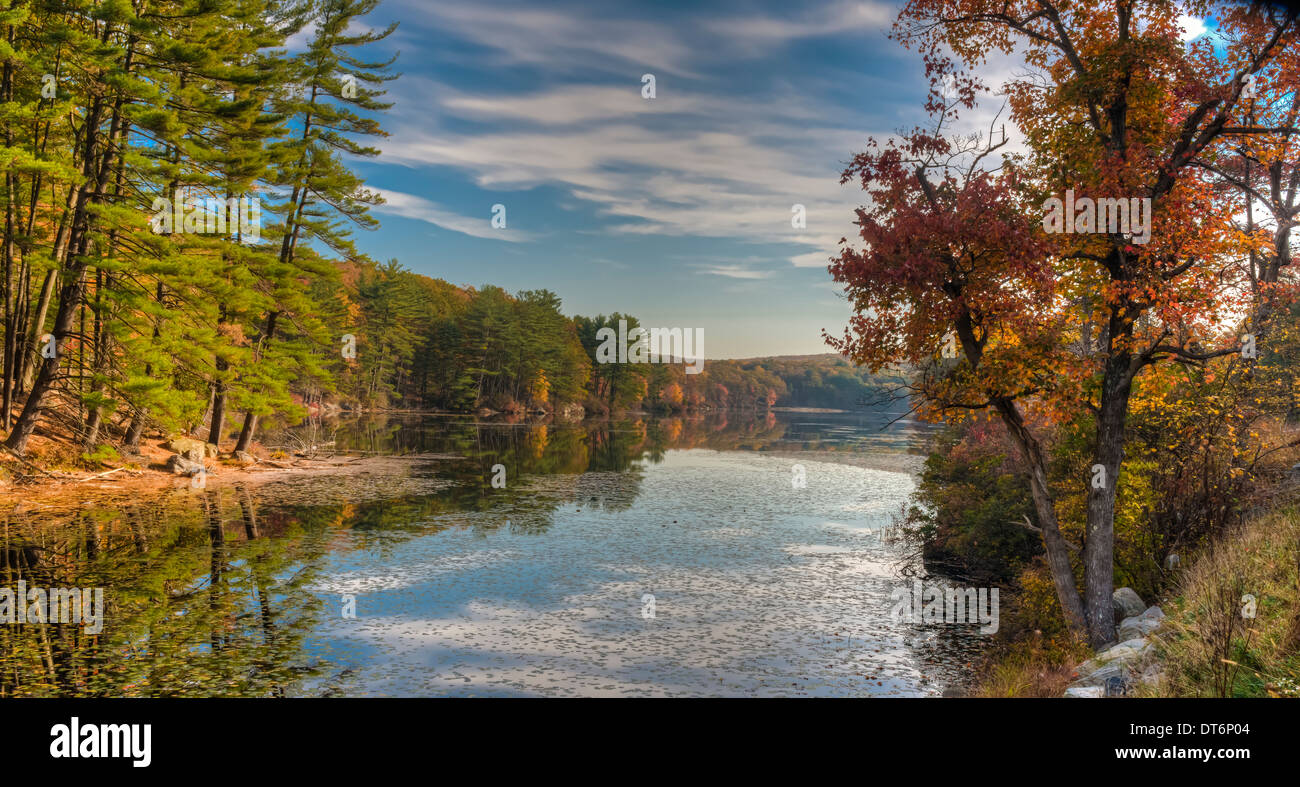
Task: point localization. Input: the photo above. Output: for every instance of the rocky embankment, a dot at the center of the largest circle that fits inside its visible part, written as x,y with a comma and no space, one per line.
1116,671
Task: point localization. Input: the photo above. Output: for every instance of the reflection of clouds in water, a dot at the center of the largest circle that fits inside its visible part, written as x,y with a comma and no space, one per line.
757,592
729,532
399,577
602,491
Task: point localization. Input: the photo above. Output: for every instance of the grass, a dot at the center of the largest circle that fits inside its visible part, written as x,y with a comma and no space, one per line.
1030,668
1233,629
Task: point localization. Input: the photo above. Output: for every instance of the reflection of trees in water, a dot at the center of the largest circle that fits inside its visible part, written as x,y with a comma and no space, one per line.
209,593
632,437
537,456
613,443
201,597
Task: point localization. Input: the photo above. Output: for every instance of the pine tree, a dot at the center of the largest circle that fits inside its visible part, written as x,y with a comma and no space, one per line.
324,195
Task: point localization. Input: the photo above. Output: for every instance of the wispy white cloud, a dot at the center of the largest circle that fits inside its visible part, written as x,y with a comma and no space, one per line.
834,19
728,174
413,207
559,37
693,162
813,259
735,272
568,105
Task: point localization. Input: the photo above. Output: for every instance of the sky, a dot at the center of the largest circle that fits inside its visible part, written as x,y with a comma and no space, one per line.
676,209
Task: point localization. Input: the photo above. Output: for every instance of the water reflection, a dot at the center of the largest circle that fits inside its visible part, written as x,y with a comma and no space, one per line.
241,590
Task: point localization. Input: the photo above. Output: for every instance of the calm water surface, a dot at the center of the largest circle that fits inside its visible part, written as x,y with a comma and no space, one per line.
663,557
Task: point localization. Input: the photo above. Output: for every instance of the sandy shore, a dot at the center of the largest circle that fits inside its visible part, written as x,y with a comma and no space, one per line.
62,490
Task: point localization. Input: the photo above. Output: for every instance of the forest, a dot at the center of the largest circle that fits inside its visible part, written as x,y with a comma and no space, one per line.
134,303
1117,398
423,343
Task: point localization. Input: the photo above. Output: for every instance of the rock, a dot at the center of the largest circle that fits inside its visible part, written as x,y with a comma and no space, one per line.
1132,628
210,449
1126,651
1139,626
1117,685
1172,561
1120,655
1085,691
191,449
1127,603
183,465
244,458
1112,672
1100,676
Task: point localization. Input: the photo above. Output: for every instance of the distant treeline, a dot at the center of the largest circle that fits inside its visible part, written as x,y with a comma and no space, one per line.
425,343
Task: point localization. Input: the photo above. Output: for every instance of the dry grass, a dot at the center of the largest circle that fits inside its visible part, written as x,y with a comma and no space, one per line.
1210,645
1029,668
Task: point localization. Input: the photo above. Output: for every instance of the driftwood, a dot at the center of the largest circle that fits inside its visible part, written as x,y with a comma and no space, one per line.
99,475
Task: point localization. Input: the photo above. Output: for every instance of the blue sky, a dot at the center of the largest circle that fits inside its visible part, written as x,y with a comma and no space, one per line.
675,209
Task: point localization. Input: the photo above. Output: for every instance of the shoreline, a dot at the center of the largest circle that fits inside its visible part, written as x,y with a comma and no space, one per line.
32,480
153,479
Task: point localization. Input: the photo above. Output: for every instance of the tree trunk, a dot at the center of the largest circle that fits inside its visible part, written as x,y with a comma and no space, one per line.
246,433
218,406
38,325
1058,556
1099,550
132,439
250,419
69,301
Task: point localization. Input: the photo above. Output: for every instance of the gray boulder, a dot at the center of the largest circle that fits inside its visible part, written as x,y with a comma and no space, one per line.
1112,672
1153,613
1101,676
184,465
1121,656
1139,626
1126,651
1127,603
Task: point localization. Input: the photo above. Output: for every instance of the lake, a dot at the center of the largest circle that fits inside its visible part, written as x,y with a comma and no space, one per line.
638,557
